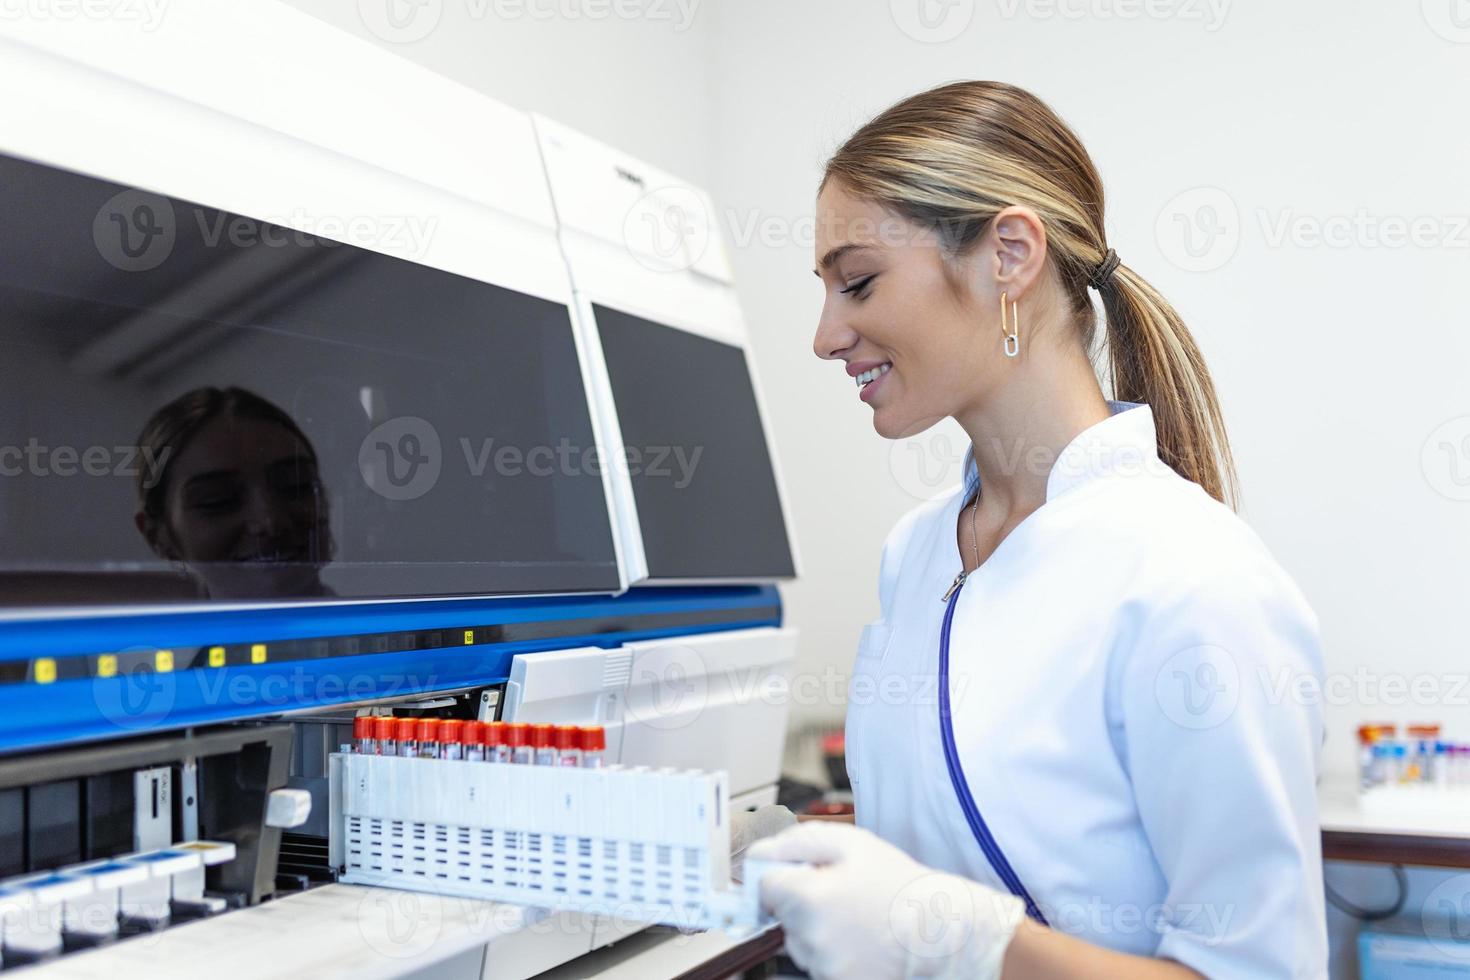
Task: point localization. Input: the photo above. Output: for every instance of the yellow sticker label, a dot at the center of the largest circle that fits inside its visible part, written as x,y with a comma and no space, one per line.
469,637
107,665
257,653
45,670
216,656
163,661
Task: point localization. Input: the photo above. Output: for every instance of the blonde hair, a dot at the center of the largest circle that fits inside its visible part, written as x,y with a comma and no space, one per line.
953,157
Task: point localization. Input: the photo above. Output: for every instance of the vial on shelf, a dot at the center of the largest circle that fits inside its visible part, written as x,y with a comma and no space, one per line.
497,742
474,741
428,735
542,742
405,731
518,737
594,744
451,739
568,742
364,742
384,735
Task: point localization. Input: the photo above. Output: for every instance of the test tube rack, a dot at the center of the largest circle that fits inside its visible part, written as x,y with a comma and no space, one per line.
637,843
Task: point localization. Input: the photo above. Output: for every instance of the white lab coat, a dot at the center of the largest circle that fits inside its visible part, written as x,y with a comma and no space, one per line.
1128,710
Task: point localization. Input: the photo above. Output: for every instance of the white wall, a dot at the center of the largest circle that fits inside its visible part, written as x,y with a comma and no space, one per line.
1335,364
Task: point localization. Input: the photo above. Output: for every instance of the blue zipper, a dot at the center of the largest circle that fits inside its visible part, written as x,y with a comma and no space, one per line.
986,840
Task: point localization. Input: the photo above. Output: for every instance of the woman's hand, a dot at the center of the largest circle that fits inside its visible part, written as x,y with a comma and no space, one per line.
866,909
749,826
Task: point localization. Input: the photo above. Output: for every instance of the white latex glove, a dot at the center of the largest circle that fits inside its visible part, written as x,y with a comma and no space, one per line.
749,826
866,909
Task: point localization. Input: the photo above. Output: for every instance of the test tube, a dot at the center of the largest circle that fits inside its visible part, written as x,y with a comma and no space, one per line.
383,735
518,738
363,739
594,744
451,739
428,733
542,741
497,742
474,741
405,730
568,741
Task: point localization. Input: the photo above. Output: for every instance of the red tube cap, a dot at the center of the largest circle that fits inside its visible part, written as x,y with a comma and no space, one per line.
567,737
517,734
362,726
594,739
451,730
474,733
383,727
541,736
404,729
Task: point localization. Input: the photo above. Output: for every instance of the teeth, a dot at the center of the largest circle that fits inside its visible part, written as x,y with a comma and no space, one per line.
872,375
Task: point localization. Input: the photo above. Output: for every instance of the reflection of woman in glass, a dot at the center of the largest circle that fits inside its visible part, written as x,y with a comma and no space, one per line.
236,496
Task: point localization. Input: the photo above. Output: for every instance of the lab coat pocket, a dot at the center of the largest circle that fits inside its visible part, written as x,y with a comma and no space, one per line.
872,645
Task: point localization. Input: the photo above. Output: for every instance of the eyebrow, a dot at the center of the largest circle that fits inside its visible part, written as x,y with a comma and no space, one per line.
837,253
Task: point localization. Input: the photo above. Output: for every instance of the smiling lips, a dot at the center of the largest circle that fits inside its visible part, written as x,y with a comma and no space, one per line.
868,377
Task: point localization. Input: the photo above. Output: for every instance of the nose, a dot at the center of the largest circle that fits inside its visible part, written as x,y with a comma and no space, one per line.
262,515
834,337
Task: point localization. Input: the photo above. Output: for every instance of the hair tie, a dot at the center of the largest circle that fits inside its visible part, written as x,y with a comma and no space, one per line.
1104,271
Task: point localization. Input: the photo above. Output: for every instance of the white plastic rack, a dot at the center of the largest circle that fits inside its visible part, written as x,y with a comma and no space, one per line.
642,844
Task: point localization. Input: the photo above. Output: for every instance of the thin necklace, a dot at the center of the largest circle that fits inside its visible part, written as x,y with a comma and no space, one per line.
959,579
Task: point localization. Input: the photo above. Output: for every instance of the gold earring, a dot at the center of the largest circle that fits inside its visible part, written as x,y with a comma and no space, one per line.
1013,335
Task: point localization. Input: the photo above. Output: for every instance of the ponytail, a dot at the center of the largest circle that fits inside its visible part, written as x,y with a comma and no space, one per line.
1154,359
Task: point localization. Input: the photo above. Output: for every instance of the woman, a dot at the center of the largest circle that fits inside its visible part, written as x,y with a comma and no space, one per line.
235,496
1109,778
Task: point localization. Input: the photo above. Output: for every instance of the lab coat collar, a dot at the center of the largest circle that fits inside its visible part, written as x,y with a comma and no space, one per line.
1123,444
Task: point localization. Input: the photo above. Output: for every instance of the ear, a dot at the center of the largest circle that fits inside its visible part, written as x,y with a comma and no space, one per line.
1015,245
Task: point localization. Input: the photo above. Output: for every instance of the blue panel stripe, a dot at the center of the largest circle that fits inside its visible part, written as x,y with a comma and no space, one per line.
34,715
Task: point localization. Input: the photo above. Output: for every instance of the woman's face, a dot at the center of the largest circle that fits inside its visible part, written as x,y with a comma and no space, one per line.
244,509
895,303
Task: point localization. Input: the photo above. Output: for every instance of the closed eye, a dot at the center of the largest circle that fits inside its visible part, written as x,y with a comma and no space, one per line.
859,285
